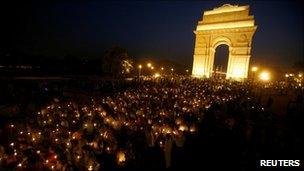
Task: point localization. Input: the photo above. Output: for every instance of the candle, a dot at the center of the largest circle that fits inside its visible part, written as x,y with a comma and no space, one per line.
121,157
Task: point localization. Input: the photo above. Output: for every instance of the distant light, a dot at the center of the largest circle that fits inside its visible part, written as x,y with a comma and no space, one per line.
156,75
152,67
187,70
264,76
139,66
172,69
149,65
300,75
162,68
254,69
286,75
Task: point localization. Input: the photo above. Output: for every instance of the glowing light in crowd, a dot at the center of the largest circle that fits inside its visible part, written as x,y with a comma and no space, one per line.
106,125
121,157
149,65
183,128
156,75
264,76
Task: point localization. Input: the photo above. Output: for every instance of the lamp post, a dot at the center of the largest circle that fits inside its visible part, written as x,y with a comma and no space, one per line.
139,70
254,70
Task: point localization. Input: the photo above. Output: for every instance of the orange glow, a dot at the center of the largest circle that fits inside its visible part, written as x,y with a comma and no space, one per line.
156,75
121,157
265,76
254,69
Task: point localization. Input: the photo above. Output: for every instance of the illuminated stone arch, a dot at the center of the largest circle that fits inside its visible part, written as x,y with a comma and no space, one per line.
230,25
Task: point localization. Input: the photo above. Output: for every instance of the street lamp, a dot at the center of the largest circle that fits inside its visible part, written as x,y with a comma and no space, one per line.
264,76
139,70
254,69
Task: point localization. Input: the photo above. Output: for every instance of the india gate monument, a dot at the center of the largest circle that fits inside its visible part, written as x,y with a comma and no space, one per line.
230,25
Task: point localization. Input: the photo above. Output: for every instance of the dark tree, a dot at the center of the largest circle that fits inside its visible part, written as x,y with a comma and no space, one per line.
299,65
117,62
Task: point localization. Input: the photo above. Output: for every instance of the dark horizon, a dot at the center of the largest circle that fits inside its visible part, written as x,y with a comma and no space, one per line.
156,30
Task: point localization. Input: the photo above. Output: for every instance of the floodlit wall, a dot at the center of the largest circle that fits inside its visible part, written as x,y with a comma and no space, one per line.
230,25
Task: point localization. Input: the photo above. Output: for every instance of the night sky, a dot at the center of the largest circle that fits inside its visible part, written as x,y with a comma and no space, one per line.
159,30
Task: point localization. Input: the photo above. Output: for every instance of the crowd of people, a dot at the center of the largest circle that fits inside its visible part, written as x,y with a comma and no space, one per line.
149,124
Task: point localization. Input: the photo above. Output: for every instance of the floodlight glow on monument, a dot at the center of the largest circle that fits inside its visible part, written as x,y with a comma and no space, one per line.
230,25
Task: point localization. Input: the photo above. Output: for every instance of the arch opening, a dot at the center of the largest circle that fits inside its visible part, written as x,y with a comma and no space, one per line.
220,61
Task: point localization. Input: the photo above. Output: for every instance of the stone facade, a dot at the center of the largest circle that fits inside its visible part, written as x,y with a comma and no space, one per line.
230,25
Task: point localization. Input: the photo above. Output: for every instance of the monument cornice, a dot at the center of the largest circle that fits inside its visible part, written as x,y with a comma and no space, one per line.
230,30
